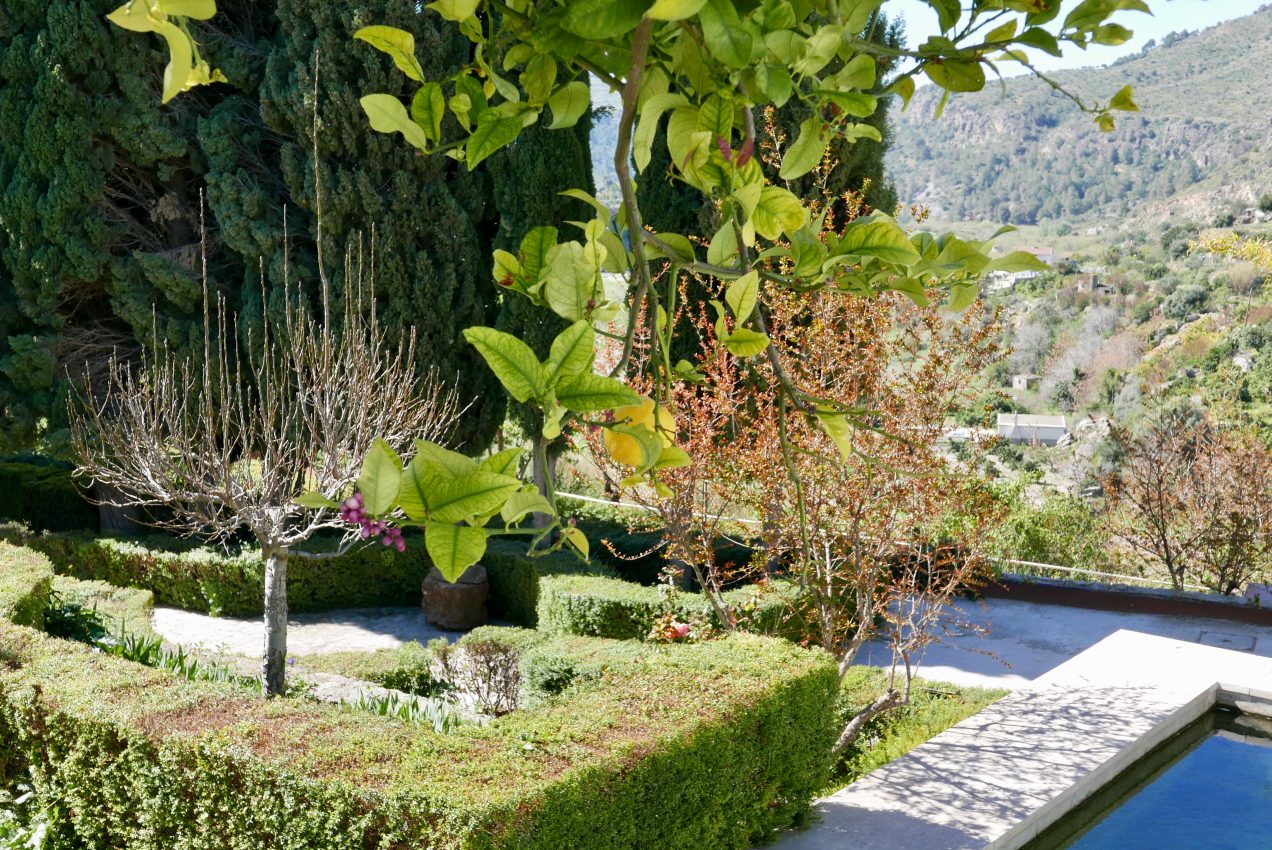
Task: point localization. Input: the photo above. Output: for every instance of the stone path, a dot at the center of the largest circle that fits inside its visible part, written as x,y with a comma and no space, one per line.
363,629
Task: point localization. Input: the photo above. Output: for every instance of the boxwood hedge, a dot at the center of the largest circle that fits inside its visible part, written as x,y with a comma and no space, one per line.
183,574
611,608
25,580
45,497
712,745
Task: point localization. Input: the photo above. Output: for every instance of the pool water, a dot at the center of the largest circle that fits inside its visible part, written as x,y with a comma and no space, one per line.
1209,788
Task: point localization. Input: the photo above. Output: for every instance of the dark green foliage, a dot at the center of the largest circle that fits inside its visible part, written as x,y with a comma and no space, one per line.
726,740
44,497
98,203
429,221
639,556
1184,301
26,581
515,578
594,606
197,578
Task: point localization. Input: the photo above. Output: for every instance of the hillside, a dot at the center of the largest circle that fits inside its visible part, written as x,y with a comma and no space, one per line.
1199,147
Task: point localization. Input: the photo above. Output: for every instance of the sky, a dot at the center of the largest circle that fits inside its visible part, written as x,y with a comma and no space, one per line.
1168,16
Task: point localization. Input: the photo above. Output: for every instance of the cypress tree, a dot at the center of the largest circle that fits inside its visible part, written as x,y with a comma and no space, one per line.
98,203
426,223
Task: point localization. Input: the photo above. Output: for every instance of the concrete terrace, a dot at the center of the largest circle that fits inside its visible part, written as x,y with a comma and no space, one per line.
1090,699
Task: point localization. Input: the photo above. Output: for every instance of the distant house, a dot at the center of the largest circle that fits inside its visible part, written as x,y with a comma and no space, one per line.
1027,428
1047,255
997,281
1088,282
1024,381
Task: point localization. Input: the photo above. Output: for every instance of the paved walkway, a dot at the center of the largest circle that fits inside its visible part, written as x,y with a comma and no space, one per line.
1026,640
1021,764
363,629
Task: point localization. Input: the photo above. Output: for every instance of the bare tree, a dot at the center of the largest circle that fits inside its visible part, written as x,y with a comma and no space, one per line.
1194,501
225,444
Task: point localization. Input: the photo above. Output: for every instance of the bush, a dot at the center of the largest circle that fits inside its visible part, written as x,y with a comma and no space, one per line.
639,556
611,608
26,579
727,741
1184,301
45,497
515,578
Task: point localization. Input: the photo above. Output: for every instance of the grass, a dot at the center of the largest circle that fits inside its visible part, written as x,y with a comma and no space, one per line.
933,708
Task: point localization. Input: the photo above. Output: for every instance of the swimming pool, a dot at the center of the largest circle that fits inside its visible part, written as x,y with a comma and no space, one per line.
1207,788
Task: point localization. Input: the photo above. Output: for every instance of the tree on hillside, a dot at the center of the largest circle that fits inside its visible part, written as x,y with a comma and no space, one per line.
1193,501
224,442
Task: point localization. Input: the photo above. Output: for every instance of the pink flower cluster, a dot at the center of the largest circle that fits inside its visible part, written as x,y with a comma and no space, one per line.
352,510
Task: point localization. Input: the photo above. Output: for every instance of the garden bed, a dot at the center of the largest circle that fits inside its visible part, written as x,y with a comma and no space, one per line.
726,741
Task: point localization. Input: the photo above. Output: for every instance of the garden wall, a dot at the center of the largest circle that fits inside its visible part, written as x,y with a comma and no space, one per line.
712,745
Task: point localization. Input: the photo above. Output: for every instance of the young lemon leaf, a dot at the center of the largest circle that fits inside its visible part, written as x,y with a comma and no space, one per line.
568,104
387,115
512,361
381,478
453,548
398,44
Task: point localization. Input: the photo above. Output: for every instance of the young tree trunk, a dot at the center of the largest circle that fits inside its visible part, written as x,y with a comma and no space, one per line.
274,657
543,469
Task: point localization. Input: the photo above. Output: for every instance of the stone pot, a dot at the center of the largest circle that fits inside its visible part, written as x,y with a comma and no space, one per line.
460,606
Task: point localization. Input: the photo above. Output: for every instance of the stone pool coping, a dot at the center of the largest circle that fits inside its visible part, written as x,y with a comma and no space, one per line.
995,780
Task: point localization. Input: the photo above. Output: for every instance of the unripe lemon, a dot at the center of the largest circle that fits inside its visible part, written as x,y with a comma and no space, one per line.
624,448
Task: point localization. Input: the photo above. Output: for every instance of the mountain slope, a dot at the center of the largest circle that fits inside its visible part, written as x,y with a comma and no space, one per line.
1201,144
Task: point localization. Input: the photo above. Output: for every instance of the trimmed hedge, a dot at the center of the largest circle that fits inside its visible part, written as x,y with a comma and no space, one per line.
121,608
639,556
711,745
26,578
611,608
404,668
184,574
515,578
44,497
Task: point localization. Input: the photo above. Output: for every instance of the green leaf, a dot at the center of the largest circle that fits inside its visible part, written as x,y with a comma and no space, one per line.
579,195
387,115
315,500
535,246
675,10
716,117
589,391
647,125
1041,39
778,212
381,478
957,76
134,17
647,440
910,288
571,284
877,236
572,353
475,494
489,137
398,44
724,35
808,149
441,463
839,430
200,10
521,503
963,295
504,462
454,10
744,342
723,246
539,77
568,104
903,88
602,19
1124,100
681,248
857,74
180,60
853,132
512,361
673,457
453,548
417,479
1016,261
428,107
742,294
576,538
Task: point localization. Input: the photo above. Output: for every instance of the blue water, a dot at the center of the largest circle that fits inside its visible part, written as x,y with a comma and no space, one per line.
1217,797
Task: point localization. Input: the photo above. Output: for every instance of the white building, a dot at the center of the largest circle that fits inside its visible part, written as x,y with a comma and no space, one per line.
1026,428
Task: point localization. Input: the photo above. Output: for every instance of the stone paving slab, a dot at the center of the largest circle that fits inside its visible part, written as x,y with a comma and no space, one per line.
363,629
1024,640
995,779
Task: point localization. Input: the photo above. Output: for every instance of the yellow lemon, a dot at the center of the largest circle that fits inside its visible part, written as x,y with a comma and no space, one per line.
624,448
